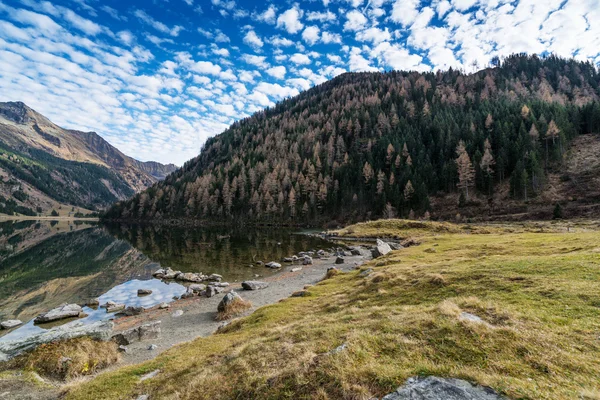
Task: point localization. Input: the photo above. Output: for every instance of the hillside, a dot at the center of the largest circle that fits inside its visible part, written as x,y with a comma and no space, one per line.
46,164
514,308
367,145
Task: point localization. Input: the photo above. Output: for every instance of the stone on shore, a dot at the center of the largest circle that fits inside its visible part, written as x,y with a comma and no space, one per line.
9,324
214,278
101,330
188,294
434,388
307,260
227,300
254,285
381,249
197,287
162,306
296,269
146,331
144,292
133,310
273,265
61,312
355,252
212,290
111,306
340,260
93,303
190,277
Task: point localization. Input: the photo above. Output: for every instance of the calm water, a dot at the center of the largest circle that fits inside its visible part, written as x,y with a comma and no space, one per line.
44,264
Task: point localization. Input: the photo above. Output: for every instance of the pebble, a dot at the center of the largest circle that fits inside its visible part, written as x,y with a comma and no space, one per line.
177,313
152,347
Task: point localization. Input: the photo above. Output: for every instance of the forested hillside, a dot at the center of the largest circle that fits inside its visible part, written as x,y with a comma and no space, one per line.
367,145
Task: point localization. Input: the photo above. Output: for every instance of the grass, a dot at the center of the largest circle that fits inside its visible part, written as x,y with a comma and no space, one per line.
536,293
67,359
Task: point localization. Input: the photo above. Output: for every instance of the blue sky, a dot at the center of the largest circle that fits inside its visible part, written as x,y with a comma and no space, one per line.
157,78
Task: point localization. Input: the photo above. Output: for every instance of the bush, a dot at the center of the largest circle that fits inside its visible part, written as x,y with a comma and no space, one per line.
558,213
54,213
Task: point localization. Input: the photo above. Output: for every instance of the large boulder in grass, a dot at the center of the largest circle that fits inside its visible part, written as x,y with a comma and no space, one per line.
381,249
227,300
434,388
254,285
61,312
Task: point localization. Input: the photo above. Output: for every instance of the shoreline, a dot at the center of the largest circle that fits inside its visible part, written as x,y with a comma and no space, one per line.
4,217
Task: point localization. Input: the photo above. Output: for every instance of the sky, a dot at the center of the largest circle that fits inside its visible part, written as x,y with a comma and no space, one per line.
156,78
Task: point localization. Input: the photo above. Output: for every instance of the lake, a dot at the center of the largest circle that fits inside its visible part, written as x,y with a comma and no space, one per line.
44,264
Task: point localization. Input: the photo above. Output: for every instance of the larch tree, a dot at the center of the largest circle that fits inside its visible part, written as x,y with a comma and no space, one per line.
487,165
466,172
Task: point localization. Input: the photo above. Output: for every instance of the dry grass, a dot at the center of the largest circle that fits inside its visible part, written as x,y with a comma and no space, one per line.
68,359
536,294
233,309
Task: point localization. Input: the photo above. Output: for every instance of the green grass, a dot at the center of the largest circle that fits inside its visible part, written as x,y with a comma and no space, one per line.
537,292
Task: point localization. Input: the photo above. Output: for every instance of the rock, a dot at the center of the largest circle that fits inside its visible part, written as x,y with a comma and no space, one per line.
144,292
228,299
366,272
300,293
430,250
114,307
434,388
143,397
190,277
133,310
170,274
152,347
212,290
101,330
61,312
339,349
146,331
288,259
381,249
339,260
254,285
123,349
273,265
162,306
150,330
259,263
9,324
296,269
197,287
220,284
395,246
214,278
93,303
177,313
150,375
355,252
321,252
159,273
188,294
307,260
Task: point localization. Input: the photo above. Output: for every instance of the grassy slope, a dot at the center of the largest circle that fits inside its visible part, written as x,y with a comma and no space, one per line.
538,293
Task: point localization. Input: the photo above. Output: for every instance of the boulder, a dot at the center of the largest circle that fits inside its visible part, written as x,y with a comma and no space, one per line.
254,285
133,310
146,331
9,324
307,260
273,265
162,306
152,347
288,259
227,300
197,287
190,277
259,263
220,284
434,388
101,330
159,273
114,307
61,312
355,252
296,269
177,313
189,293
395,246
93,303
144,292
339,260
170,274
212,290
381,249
214,278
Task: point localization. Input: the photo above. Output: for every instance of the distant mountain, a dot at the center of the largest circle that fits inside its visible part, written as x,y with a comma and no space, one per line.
372,145
42,165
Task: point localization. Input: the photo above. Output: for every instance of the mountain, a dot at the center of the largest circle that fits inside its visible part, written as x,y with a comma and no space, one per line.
44,165
369,145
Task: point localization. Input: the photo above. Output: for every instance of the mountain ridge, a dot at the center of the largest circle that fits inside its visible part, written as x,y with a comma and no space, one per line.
30,140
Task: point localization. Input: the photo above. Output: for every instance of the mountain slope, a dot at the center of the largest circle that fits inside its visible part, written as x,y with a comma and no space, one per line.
50,163
367,145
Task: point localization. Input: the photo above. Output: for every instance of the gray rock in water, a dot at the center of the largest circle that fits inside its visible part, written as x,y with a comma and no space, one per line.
144,292
434,388
9,324
61,312
133,310
254,285
114,307
273,265
93,303
197,287
340,260
381,249
101,330
228,299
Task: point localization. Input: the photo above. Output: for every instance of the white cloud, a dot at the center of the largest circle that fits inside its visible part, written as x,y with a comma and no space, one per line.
311,35
159,26
328,37
268,16
300,59
252,40
358,62
326,16
374,35
405,11
258,61
290,20
277,72
355,20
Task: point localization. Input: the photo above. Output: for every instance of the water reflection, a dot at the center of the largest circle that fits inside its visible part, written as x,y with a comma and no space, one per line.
44,264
